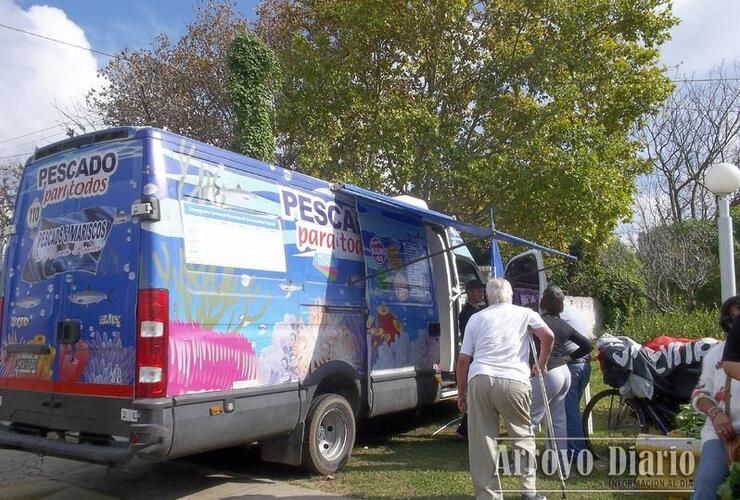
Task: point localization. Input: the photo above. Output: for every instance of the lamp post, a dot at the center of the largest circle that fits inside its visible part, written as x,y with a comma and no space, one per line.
723,179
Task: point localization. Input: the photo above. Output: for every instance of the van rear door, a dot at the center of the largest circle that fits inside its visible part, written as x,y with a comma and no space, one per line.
70,293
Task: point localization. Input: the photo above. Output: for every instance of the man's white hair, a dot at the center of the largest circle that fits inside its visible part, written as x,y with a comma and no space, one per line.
498,291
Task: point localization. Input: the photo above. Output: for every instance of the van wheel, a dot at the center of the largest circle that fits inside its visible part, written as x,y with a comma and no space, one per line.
330,434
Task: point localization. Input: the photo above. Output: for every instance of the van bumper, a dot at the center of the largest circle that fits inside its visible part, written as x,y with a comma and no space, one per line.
109,454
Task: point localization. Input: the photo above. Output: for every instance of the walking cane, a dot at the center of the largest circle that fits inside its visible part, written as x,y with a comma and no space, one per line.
548,417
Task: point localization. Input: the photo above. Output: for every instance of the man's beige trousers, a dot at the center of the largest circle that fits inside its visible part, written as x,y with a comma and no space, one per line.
488,399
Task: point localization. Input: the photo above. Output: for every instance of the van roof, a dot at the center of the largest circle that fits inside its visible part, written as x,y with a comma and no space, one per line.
250,165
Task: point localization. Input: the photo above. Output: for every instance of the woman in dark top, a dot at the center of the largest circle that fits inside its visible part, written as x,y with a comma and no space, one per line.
557,379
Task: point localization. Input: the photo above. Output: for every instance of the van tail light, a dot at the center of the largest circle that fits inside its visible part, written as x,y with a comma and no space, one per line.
152,324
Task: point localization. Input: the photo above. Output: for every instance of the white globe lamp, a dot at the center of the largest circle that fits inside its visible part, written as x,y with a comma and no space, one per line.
723,179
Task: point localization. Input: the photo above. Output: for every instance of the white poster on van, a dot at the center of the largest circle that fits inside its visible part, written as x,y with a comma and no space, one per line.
216,236
322,226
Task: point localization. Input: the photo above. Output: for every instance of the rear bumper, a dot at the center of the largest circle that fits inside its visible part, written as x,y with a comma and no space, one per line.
110,455
86,428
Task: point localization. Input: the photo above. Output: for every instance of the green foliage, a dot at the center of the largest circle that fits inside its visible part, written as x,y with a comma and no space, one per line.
693,325
524,106
730,488
690,422
613,276
253,73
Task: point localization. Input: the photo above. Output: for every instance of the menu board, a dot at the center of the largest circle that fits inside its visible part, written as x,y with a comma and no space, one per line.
230,237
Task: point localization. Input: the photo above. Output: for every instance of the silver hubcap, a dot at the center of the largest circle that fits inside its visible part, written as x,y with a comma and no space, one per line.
332,435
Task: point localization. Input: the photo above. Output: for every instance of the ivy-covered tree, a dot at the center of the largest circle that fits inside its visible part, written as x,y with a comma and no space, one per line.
526,106
253,72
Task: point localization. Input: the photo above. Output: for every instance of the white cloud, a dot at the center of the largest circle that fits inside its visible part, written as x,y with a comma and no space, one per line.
706,36
37,74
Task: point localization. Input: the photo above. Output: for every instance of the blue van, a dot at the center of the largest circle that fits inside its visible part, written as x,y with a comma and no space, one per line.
164,297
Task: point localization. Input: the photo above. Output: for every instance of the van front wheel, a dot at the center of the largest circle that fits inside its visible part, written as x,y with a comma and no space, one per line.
330,434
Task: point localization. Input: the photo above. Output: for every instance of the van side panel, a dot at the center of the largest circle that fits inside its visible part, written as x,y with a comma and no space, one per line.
403,324
266,286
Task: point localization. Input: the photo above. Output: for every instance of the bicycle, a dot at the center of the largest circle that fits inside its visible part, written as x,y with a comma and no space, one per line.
614,415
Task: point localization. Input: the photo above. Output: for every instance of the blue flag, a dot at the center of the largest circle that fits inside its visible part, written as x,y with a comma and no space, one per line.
497,268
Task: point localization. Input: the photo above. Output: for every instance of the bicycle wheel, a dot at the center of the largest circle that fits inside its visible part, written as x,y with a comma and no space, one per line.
615,421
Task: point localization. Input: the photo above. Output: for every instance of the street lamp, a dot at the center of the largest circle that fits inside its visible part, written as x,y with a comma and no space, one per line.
723,179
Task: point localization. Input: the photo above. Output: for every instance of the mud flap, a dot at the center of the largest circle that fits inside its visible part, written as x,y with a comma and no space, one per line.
286,449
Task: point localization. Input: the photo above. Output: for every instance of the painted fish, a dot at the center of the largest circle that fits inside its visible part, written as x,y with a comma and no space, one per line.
236,192
121,218
89,296
289,287
28,303
150,189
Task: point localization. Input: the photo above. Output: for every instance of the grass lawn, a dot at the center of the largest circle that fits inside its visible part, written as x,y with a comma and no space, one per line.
396,456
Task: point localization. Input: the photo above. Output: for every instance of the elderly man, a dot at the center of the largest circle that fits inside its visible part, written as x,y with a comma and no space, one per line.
496,384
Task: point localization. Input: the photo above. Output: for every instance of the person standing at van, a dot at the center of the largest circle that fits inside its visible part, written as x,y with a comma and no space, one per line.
557,380
493,382
580,374
475,291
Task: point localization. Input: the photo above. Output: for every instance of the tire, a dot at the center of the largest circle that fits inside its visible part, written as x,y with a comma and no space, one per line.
330,434
615,421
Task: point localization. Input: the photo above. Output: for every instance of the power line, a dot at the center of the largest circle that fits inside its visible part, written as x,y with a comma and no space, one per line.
692,80
16,156
46,137
56,40
31,133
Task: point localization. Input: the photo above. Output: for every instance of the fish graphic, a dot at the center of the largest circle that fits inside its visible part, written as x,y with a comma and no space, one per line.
235,192
89,296
121,218
28,303
356,281
150,189
289,287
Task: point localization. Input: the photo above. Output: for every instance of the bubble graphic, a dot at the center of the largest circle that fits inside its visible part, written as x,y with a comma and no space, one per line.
126,267
56,295
50,288
133,184
246,280
42,312
74,287
68,278
11,273
272,167
91,329
128,230
132,275
287,174
135,219
128,238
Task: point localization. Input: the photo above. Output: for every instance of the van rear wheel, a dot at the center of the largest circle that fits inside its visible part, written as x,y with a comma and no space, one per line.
330,434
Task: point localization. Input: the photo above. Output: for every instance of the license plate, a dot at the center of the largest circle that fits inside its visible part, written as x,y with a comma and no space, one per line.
26,363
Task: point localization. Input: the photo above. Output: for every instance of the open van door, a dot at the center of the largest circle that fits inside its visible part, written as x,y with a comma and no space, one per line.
526,274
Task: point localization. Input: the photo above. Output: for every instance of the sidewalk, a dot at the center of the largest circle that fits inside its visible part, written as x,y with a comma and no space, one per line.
24,476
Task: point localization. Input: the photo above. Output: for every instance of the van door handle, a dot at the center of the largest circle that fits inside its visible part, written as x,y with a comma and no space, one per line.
45,403
57,404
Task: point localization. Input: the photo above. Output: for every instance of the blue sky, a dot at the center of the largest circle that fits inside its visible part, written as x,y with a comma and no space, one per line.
111,26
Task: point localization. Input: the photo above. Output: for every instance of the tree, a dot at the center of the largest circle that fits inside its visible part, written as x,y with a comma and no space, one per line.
613,276
180,87
10,177
520,105
252,74
678,260
699,125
